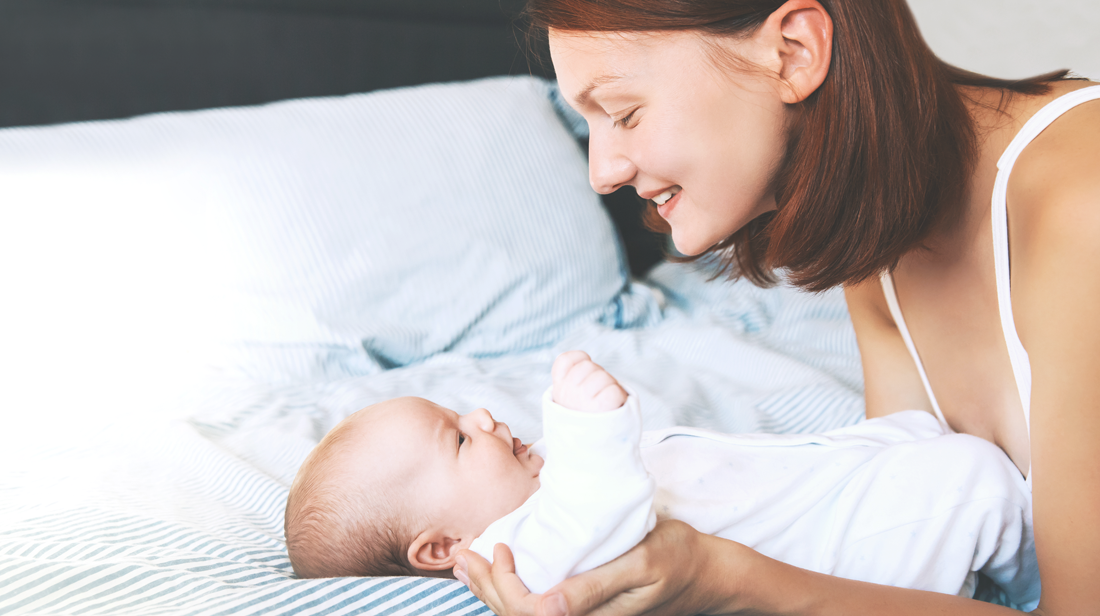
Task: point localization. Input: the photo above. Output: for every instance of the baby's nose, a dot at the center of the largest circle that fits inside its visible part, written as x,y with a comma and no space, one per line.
484,420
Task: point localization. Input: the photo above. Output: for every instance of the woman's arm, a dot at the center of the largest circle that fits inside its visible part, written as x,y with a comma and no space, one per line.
677,570
1054,219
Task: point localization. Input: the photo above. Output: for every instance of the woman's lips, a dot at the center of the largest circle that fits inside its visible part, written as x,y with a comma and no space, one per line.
666,208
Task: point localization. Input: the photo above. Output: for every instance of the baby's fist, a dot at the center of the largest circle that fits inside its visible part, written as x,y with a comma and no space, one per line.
582,385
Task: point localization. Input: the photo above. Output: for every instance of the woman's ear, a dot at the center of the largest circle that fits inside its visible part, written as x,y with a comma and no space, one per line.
801,34
433,551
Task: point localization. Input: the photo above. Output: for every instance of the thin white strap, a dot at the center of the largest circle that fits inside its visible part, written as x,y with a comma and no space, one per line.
1021,365
1041,120
895,311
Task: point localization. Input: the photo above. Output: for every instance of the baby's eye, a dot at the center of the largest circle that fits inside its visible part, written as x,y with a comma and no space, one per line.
461,439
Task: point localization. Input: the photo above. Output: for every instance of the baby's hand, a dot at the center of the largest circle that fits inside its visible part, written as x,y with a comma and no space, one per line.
582,385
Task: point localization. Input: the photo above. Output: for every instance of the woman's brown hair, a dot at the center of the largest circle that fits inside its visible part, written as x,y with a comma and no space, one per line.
879,157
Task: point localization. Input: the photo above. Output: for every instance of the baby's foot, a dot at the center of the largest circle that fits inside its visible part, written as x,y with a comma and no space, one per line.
582,385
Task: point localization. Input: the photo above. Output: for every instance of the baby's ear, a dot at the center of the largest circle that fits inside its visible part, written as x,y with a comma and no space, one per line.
432,551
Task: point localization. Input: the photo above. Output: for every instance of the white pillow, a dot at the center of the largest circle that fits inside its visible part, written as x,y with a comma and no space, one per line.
327,236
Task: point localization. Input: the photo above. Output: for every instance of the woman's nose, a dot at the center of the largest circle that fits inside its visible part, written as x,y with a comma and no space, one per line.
608,169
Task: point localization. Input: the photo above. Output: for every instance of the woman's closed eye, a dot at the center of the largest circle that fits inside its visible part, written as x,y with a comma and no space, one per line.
624,122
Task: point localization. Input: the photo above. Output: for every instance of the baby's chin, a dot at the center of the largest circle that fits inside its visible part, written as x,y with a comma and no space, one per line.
534,462
526,456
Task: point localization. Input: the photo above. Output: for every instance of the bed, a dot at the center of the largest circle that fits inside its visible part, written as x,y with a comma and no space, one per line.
228,224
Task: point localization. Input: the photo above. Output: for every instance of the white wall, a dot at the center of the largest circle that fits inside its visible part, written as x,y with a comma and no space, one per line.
1014,38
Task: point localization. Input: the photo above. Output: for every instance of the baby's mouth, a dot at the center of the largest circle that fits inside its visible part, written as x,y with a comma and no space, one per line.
517,447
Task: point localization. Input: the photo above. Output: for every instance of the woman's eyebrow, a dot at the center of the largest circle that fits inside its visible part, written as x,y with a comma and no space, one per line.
581,99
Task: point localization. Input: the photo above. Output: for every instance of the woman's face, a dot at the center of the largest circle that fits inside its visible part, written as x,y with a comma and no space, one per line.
666,119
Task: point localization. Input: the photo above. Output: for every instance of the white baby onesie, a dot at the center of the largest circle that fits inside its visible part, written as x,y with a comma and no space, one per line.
892,500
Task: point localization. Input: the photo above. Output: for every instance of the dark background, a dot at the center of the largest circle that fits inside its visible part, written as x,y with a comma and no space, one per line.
65,60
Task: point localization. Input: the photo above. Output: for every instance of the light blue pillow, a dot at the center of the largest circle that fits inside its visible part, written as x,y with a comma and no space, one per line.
345,235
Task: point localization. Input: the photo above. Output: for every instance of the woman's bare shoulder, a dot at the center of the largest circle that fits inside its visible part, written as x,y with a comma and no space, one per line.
1054,193
1054,218
1057,177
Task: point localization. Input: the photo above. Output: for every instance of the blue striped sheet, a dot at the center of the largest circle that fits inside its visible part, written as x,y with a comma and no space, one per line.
188,529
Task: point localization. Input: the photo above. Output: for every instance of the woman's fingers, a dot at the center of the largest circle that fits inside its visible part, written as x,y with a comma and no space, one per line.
586,593
473,571
577,596
497,584
513,594
654,577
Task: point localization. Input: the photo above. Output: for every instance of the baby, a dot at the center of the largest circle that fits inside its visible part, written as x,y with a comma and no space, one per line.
400,487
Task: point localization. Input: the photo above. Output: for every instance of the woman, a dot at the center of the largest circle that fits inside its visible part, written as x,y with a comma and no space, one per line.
826,139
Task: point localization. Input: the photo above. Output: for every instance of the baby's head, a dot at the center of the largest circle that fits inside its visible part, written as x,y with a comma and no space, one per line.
400,487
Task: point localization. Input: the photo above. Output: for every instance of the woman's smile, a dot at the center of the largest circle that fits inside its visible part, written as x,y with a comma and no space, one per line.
665,205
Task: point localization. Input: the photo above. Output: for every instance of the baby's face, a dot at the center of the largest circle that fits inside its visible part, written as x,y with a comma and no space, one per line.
466,471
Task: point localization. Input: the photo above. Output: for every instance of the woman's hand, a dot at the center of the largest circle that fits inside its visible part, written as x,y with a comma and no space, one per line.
669,572
497,585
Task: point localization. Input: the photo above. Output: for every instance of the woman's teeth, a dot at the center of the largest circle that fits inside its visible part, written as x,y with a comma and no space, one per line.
662,198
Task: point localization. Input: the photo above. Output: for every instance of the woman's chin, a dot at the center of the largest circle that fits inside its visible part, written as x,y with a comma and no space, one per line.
687,246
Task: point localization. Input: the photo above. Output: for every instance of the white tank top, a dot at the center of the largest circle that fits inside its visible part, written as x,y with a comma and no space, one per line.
1021,367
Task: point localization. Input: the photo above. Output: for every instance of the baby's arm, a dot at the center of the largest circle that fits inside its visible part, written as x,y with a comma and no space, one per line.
596,498
582,385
